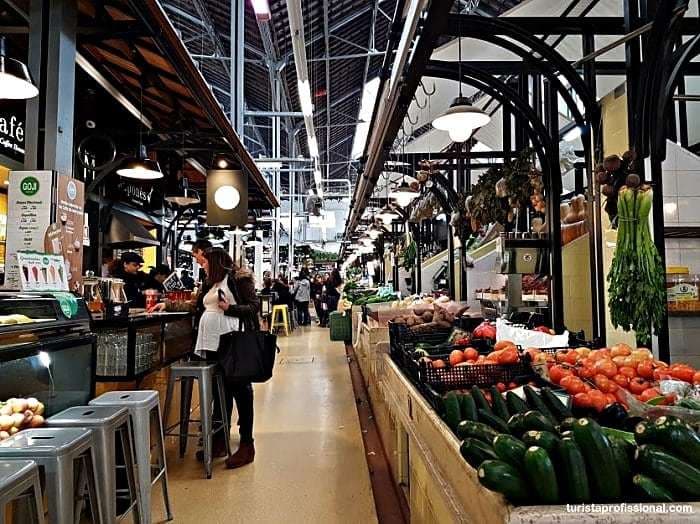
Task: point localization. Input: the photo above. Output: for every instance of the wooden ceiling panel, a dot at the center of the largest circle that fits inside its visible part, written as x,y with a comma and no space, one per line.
117,60
117,44
195,110
160,94
87,8
156,60
116,14
175,87
158,104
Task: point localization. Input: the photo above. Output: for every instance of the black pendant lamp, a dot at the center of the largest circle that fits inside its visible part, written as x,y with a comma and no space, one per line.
183,196
140,167
15,79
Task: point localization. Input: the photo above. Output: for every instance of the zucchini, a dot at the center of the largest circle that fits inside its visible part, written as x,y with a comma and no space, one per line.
475,451
538,404
453,415
573,469
499,476
510,449
478,430
480,399
650,489
567,434
515,403
542,439
567,424
622,461
498,403
516,424
540,472
468,407
681,441
598,453
669,471
496,422
646,433
536,420
556,406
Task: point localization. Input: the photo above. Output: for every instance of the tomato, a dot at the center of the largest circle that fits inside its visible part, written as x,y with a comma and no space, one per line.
509,356
648,394
619,361
610,399
556,373
502,344
564,382
501,387
494,355
645,369
582,400
602,383
684,373
571,357
576,386
627,371
586,372
661,374
471,354
620,350
621,380
606,367
439,363
456,357
598,399
637,385
696,378
560,356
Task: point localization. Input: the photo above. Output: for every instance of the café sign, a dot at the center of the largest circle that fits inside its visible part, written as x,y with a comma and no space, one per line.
11,135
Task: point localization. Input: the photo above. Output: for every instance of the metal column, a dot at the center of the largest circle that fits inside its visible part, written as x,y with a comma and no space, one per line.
237,65
49,128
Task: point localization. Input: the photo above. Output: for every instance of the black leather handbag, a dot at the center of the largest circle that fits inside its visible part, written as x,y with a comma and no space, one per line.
248,356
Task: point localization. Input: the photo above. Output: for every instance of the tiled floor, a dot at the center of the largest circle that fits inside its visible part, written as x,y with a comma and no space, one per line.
310,465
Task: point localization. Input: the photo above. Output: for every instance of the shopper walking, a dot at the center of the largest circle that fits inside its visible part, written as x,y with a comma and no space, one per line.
302,295
316,293
227,302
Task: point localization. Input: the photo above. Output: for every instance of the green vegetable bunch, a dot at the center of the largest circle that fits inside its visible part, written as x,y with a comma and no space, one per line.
636,279
409,253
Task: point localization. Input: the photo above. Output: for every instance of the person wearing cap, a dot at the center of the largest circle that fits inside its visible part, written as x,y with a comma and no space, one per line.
129,270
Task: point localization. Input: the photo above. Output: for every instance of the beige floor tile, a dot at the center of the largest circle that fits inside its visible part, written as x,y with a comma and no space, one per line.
310,464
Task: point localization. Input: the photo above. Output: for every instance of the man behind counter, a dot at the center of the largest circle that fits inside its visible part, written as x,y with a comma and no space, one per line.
129,270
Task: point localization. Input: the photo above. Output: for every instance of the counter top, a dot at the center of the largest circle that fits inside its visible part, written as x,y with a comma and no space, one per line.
139,318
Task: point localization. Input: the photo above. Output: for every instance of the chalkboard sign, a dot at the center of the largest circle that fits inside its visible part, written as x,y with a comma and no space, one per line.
172,283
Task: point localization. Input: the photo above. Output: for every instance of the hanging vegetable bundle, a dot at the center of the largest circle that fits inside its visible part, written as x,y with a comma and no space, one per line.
637,281
409,253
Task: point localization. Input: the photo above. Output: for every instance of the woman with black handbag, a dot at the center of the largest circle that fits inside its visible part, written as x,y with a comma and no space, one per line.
227,302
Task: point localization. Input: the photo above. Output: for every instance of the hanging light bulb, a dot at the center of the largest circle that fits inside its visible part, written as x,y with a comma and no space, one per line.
141,167
183,196
403,194
461,120
15,80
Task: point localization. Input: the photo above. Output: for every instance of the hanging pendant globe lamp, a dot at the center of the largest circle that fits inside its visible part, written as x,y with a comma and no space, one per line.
461,120
141,167
404,194
15,79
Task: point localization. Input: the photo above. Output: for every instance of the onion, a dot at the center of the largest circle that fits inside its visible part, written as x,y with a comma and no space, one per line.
39,409
32,403
13,430
37,421
19,405
6,410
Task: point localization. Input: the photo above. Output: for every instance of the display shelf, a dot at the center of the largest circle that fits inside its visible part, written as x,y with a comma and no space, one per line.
683,313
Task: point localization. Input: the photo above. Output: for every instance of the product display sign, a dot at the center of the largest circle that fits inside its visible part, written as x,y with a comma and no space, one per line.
142,196
28,217
64,236
42,272
12,116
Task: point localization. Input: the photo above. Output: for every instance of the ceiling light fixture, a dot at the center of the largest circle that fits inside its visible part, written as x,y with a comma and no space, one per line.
404,194
387,215
141,167
307,106
184,196
461,119
313,147
227,197
15,79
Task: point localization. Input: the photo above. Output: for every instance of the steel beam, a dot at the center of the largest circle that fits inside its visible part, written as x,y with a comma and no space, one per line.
369,53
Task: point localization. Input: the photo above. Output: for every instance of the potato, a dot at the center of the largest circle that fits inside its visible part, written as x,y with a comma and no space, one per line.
13,430
4,435
39,409
427,316
19,405
18,420
37,421
6,409
32,403
5,422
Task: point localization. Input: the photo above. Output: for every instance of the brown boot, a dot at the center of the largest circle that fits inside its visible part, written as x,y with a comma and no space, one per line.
218,449
244,455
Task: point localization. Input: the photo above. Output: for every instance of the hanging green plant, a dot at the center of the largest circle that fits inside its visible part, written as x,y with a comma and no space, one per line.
408,253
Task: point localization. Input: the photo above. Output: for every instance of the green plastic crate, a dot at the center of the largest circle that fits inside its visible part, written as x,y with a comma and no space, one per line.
340,326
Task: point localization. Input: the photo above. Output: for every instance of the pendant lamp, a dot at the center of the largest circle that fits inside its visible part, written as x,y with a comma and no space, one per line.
15,79
404,194
184,196
461,119
387,215
141,167
237,231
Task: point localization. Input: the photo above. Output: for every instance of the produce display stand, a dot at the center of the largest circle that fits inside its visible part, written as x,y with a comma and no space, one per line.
440,486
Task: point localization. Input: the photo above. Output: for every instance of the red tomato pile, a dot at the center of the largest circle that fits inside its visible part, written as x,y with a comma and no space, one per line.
504,352
596,378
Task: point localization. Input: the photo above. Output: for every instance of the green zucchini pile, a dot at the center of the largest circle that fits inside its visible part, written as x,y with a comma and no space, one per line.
536,452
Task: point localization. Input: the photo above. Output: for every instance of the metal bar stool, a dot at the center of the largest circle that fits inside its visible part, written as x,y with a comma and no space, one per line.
19,479
107,422
56,451
205,374
144,411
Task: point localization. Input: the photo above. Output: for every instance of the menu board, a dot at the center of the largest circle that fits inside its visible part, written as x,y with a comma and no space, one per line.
28,217
65,236
42,272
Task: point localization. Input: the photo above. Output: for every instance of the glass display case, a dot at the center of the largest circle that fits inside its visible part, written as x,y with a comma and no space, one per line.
46,349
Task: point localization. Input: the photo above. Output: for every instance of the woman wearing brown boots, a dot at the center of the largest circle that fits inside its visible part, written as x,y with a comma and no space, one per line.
227,299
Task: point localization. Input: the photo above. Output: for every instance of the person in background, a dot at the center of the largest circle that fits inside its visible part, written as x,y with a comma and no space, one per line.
128,269
267,286
281,288
331,293
187,280
302,294
198,250
156,277
316,293
216,316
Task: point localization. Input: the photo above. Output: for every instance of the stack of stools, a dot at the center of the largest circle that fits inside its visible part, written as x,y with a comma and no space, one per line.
144,411
206,376
106,423
20,479
56,451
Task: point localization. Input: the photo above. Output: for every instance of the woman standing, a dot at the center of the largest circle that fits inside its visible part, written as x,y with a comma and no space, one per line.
302,294
227,302
316,292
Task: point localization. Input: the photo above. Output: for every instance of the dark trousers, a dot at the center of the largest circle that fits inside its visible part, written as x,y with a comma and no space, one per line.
242,393
303,317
